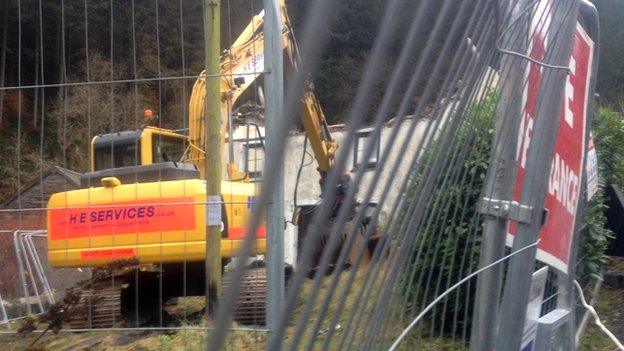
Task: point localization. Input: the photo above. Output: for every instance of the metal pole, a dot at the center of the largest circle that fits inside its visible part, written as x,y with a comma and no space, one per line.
3,59
20,264
212,121
31,275
5,317
274,87
500,186
32,251
588,18
46,283
518,280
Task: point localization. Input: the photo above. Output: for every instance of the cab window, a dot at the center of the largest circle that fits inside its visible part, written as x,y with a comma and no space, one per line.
167,148
116,155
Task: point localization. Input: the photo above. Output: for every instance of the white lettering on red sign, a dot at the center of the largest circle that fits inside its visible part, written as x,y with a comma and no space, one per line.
563,184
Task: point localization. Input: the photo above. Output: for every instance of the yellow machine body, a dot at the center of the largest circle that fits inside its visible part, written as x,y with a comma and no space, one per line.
101,223
153,222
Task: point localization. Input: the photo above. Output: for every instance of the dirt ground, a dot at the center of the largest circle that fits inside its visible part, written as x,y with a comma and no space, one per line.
610,307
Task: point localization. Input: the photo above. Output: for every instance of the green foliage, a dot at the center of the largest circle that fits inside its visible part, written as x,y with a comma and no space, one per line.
611,66
165,342
596,236
343,61
608,130
151,39
607,306
70,117
350,41
448,238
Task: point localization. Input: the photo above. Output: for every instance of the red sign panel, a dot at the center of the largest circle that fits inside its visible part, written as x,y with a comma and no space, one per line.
144,216
564,182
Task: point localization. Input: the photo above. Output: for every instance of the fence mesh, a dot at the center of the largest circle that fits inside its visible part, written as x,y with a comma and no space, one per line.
383,245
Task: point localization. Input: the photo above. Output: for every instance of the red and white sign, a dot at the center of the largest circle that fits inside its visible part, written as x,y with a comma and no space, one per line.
564,183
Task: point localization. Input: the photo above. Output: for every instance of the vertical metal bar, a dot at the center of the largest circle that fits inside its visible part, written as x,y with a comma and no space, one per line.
31,275
499,185
565,280
588,18
212,115
274,85
20,265
3,51
45,278
518,280
5,317
32,249
31,255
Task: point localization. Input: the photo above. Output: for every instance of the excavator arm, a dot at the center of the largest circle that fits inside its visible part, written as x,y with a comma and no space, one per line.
241,65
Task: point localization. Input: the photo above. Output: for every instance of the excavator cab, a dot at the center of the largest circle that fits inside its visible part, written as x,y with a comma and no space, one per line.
148,154
146,146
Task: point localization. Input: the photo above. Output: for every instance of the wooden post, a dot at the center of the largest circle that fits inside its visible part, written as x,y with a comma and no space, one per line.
213,151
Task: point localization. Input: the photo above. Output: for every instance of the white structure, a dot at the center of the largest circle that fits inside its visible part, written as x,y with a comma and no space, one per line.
249,155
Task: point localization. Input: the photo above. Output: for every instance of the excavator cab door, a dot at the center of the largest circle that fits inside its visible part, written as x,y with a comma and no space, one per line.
168,148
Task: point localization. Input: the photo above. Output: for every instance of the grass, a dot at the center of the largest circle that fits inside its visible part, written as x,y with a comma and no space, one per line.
192,339
610,308
105,340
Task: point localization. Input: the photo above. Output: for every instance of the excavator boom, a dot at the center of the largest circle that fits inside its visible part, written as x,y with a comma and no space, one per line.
241,65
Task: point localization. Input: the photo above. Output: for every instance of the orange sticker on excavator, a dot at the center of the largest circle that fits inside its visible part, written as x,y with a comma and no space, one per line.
144,216
106,254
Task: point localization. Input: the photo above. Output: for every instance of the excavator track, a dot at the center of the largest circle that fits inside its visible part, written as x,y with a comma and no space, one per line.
250,306
99,306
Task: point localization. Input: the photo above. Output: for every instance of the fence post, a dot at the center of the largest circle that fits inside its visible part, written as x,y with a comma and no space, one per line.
499,185
588,18
539,157
274,88
212,131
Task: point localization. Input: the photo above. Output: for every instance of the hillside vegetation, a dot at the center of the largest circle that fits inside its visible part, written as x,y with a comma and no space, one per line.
122,41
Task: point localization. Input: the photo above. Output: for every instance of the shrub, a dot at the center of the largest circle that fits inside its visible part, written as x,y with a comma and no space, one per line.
608,130
447,240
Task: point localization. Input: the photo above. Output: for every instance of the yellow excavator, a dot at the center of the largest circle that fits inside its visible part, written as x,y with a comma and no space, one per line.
145,200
